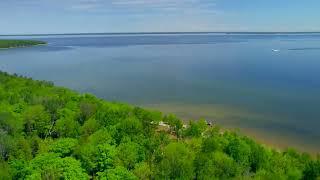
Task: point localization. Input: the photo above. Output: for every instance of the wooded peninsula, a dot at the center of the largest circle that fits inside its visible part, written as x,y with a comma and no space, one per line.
49,132
4,44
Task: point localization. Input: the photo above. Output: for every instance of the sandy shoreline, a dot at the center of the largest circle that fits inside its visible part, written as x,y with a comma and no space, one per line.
274,139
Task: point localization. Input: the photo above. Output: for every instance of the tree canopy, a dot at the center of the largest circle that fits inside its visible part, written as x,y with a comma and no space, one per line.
49,132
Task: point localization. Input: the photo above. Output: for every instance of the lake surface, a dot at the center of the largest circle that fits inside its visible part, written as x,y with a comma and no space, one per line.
267,85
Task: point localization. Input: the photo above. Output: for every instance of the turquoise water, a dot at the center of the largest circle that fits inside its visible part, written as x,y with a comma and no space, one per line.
265,83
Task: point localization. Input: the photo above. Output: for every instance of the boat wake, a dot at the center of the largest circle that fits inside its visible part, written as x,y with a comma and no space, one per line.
303,49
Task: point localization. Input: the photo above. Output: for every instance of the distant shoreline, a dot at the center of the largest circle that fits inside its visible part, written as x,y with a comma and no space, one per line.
22,46
161,33
10,44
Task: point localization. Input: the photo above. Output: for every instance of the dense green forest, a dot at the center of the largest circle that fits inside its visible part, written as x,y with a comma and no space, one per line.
19,43
50,132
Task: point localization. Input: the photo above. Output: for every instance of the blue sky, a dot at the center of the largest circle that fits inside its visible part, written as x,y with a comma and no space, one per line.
75,16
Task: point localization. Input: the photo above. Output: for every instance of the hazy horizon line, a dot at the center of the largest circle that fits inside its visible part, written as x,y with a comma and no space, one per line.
168,32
